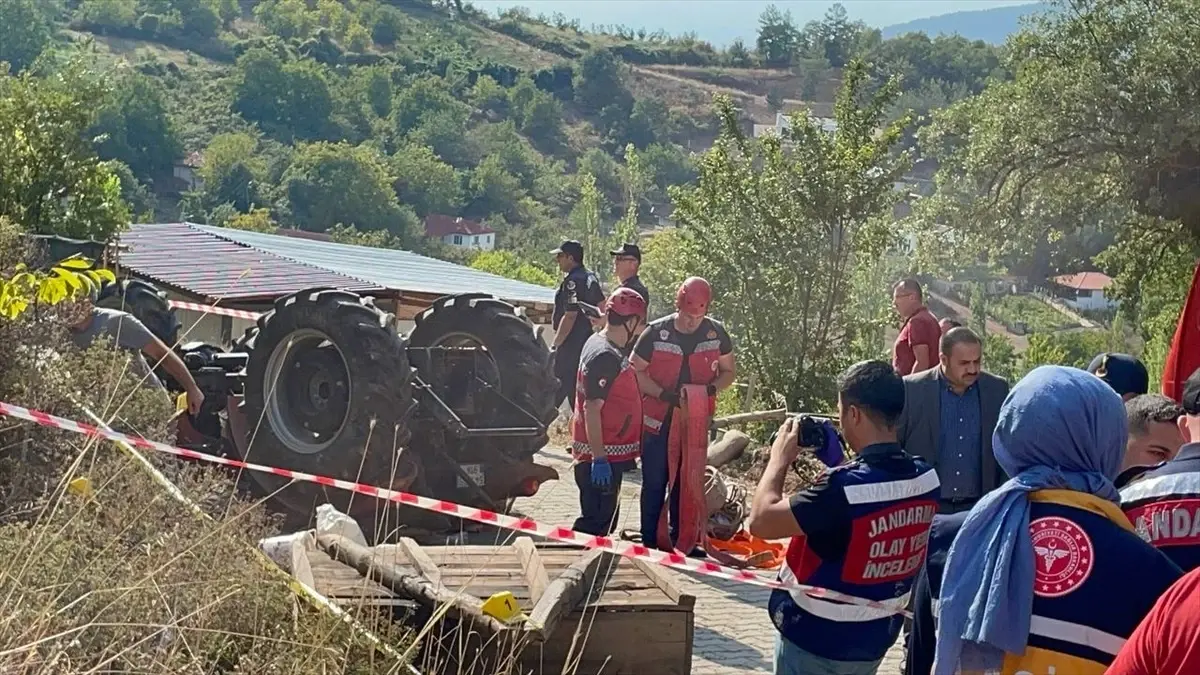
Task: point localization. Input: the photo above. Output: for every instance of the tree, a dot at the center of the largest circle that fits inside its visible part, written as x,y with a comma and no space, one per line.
837,35
24,33
232,172
738,55
777,37
134,127
601,82
258,220
585,217
332,184
495,190
425,182
780,225
289,101
1098,116
649,122
52,182
508,265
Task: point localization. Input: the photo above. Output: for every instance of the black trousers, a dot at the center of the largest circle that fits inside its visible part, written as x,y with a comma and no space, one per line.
599,508
566,369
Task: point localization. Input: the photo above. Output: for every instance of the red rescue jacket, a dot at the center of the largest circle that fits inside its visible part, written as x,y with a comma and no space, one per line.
667,360
618,418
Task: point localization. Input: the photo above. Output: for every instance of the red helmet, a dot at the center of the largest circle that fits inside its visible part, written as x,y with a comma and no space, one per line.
626,302
693,296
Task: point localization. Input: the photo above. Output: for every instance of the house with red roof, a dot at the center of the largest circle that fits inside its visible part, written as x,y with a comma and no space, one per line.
460,232
1084,290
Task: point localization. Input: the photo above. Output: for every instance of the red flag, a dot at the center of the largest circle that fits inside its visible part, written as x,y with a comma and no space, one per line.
1184,357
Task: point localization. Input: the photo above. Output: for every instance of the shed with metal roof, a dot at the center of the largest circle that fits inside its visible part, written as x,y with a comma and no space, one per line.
250,270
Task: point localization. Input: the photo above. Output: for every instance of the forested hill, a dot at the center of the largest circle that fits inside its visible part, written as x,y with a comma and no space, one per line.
327,114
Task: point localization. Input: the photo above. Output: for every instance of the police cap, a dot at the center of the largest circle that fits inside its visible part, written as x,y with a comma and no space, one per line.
571,248
629,250
1122,372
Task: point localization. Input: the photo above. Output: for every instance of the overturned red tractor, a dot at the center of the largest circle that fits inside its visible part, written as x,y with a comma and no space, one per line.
324,383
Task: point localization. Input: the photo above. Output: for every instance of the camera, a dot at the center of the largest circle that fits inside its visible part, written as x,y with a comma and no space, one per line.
811,434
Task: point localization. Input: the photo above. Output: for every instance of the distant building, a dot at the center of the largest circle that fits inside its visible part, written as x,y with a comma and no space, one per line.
1085,290
460,232
186,173
783,121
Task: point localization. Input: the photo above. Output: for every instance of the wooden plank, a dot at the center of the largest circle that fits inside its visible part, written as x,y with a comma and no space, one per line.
667,585
536,576
410,585
420,560
567,591
616,643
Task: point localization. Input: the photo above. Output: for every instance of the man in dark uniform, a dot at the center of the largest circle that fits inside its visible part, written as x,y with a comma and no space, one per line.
626,261
571,327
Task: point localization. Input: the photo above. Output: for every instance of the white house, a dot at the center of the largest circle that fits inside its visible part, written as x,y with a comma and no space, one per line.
1084,290
782,122
460,232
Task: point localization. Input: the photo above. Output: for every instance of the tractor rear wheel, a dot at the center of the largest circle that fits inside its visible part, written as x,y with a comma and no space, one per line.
329,392
517,364
150,306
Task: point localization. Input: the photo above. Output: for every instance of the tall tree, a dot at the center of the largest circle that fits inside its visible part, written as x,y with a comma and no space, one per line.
779,226
777,37
52,182
24,32
134,127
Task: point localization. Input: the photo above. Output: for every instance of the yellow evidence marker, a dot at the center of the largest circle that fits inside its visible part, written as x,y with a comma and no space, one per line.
502,606
81,487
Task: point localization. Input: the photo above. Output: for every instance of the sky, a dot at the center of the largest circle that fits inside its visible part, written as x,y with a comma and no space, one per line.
720,21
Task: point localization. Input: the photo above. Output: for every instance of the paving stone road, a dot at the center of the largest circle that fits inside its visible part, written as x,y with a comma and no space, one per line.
733,633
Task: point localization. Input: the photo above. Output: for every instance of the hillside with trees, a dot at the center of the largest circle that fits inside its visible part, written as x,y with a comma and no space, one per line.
370,115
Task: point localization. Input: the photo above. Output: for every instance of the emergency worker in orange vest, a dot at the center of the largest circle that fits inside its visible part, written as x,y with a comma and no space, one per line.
687,347
606,427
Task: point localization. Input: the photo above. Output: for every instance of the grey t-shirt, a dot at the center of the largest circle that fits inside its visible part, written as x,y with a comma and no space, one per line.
126,332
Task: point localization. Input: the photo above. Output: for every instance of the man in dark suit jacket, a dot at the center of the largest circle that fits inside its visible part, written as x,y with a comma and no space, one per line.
949,415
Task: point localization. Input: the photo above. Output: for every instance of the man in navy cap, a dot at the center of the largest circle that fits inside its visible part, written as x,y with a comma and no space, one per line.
626,261
1125,374
571,329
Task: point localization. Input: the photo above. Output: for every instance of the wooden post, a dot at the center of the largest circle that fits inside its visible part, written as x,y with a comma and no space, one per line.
531,565
415,586
570,588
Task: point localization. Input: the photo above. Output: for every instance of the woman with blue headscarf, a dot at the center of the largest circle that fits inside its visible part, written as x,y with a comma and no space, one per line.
1046,576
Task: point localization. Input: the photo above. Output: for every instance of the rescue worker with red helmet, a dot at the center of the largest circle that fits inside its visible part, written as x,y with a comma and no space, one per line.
606,426
687,347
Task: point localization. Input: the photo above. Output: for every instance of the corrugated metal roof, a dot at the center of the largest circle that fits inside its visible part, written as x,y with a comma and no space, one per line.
388,268
197,262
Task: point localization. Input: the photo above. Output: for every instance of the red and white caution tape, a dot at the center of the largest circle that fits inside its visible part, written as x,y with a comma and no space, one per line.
556,533
213,309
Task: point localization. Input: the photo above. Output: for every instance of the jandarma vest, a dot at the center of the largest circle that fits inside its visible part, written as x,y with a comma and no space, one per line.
890,514
1164,507
619,418
666,362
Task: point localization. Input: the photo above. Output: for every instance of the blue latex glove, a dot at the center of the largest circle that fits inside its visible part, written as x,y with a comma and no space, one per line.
601,472
830,453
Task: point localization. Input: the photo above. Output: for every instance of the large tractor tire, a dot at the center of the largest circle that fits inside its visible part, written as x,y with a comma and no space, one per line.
520,366
145,302
329,392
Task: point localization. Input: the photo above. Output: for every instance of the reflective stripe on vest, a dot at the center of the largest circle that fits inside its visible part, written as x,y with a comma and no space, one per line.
1157,487
1063,631
836,611
892,491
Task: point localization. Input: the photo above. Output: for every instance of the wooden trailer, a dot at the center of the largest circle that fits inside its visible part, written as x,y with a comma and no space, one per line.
580,612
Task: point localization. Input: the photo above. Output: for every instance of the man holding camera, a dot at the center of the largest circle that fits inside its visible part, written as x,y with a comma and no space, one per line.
606,427
861,529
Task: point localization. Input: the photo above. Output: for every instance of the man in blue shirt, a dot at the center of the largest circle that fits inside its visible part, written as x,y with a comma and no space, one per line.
949,415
